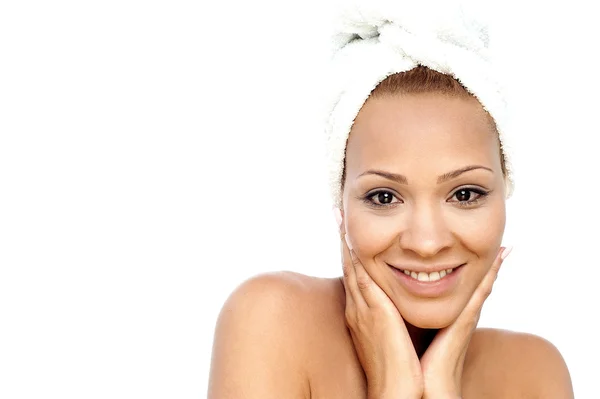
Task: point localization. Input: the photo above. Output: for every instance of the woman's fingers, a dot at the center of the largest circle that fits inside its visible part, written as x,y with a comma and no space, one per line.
364,291
353,294
470,314
379,335
484,289
369,293
444,359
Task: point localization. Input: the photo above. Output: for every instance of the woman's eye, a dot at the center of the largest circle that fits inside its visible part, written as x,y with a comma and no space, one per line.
463,195
382,198
468,196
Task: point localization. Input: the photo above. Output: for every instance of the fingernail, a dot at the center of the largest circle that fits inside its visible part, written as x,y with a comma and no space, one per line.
337,214
506,252
348,241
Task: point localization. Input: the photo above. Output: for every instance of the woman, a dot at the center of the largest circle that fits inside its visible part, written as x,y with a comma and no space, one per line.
420,176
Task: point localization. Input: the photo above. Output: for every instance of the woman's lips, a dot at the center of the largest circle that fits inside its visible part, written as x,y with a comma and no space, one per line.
428,288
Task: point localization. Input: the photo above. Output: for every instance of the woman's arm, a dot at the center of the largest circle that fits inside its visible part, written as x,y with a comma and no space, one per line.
257,351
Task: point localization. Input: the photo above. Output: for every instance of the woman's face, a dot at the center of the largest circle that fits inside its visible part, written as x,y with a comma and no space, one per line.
424,191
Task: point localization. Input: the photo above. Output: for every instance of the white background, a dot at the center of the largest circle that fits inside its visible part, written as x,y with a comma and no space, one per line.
155,154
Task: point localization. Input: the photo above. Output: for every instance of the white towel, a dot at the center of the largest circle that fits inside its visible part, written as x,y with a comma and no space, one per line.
373,39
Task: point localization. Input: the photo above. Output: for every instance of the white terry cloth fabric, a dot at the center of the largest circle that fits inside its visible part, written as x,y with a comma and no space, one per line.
373,39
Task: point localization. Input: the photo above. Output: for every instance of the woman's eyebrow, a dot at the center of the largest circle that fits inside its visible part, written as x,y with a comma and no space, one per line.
386,175
455,173
401,179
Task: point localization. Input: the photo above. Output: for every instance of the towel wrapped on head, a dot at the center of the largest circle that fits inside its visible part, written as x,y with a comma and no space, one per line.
374,39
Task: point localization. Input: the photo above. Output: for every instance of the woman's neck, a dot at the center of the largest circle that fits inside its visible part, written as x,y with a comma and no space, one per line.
421,337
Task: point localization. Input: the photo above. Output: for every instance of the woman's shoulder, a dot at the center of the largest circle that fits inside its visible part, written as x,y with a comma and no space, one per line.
530,362
278,292
264,330
283,298
291,299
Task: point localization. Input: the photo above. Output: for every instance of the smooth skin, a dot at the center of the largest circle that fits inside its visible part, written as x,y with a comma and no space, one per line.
412,196
385,348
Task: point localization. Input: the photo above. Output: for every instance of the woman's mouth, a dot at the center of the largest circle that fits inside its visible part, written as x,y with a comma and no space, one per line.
437,281
424,276
435,273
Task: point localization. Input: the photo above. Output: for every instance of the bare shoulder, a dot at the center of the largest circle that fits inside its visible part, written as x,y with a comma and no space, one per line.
284,298
262,334
527,363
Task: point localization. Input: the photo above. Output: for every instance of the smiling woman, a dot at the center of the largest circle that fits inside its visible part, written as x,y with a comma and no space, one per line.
444,211
420,178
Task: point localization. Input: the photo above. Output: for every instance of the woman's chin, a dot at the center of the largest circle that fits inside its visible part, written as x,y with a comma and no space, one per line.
429,324
429,319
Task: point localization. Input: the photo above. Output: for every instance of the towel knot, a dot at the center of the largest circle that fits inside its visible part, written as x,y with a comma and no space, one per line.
447,21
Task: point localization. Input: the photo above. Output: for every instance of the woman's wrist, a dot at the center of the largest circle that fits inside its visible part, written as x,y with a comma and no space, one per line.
392,392
430,395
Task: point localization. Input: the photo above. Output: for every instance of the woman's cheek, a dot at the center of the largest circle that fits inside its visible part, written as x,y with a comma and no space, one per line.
373,234
482,234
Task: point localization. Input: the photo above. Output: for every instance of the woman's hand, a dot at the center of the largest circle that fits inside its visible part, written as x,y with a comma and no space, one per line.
379,334
442,362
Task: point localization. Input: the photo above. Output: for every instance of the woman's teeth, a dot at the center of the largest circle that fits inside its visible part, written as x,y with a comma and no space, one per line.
433,276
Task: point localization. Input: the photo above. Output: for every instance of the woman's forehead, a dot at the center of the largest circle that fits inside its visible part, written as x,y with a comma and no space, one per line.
423,127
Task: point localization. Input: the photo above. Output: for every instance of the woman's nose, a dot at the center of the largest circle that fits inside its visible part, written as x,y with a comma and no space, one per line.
426,232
